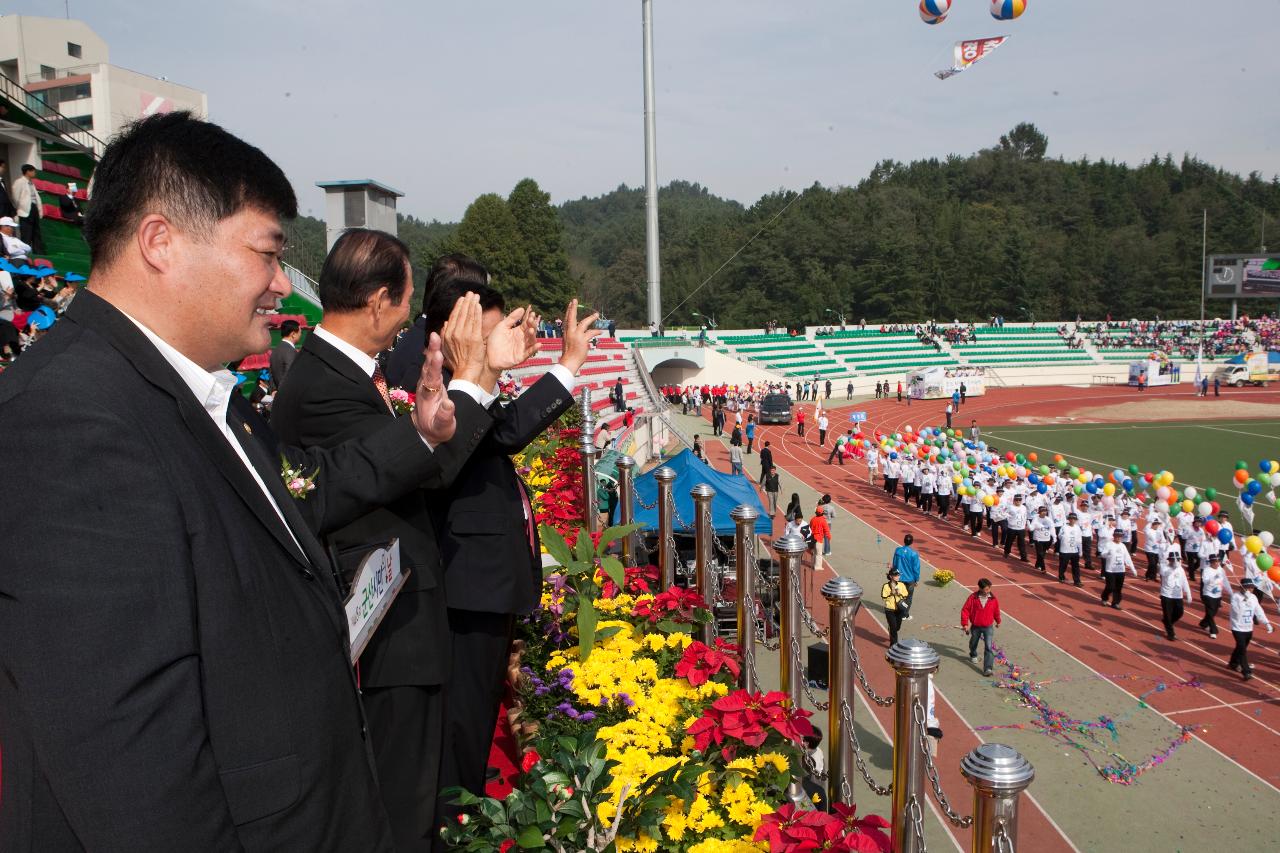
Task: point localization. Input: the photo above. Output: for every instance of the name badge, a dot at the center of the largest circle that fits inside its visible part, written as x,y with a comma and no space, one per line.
377,583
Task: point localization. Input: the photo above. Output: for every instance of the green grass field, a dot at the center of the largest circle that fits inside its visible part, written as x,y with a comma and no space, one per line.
1199,453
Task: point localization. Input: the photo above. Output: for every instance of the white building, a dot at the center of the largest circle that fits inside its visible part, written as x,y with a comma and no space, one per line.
66,65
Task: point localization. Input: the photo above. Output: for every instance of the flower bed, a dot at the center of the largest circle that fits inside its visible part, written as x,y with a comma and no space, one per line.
636,737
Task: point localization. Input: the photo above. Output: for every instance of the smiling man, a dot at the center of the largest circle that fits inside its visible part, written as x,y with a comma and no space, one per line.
174,663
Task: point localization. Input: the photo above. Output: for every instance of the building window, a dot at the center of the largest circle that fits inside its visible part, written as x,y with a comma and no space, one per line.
353,208
83,122
48,72
74,50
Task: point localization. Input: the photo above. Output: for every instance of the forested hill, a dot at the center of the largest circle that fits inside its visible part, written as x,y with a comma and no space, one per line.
1007,230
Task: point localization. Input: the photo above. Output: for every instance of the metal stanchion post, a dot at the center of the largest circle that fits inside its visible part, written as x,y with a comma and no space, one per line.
664,477
999,774
703,530
587,449
627,506
914,662
790,549
843,595
744,517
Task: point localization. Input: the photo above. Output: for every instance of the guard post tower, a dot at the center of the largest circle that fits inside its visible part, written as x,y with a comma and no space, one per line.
357,204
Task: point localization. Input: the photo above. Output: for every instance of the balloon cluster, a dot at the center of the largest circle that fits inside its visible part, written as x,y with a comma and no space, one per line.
964,459
935,11
1255,488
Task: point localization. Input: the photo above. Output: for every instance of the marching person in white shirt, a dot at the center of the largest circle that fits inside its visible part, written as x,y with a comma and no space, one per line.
944,490
1115,561
995,518
1213,583
973,512
1124,523
1154,545
1070,542
1058,512
1087,530
1245,611
1174,590
910,469
891,470
1042,535
1192,544
928,485
873,463
1016,528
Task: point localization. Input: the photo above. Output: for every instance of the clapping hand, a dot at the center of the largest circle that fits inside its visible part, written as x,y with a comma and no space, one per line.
462,340
578,335
433,413
511,342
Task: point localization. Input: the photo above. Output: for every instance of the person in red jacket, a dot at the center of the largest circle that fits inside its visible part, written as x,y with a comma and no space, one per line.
979,618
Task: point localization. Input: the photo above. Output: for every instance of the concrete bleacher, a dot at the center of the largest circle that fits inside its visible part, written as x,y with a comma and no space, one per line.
608,361
870,352
793,357
1019,346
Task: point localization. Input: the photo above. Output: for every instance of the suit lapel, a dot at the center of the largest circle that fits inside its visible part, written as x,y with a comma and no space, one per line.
346,368
94,312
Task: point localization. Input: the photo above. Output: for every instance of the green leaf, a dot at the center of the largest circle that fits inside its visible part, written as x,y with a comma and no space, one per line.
613,534
556,546
583,550
670,626
613,568
542,812
587,619
606,633
530,838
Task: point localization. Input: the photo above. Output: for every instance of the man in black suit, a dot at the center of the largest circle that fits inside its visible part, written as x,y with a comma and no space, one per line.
336,392
405,362
766,461
282,357
6,203
619,396
174,658
488,536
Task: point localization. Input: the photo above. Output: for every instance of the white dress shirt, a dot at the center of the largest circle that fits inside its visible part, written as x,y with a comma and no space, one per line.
213,391
1173,582
1245,610
486,398
1213,580
1069,539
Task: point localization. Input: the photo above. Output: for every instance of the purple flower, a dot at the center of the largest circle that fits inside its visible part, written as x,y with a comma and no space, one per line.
586,716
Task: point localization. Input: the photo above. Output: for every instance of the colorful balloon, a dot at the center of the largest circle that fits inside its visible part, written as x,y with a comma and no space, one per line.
1205,509
1267,539
1253,544
1007,10
1224,536
929,17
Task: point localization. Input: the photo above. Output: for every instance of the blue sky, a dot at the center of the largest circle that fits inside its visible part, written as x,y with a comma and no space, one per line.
447,100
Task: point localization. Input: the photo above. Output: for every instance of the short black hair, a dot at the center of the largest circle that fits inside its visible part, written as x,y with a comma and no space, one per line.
983,583
192,171
288,327
455,274
361,262
27,167
908,539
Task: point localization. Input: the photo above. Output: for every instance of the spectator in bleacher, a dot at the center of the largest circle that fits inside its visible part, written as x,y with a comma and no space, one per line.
285,352
26,198
6,203
14,248
69,206
619,397
613,329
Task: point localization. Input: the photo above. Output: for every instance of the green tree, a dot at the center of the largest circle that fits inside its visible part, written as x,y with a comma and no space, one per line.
1026,141
489,233
542,238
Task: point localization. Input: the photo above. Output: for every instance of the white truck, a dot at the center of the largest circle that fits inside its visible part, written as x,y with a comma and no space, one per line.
1235,375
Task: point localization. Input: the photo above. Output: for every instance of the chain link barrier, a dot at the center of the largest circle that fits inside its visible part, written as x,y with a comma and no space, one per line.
846,715
916,816
883,701
799,668
917,714
1004,844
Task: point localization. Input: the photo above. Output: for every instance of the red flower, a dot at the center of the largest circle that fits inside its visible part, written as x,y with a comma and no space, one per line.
748,717
506,845
700,663
529,760
639,580
789,830
679,605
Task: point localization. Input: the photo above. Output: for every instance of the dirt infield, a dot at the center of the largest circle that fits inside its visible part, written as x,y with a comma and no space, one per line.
1196,409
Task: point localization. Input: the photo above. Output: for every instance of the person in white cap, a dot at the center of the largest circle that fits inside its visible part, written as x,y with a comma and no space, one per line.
1016,528
1245,611
14,249
1070,541
1115,560
1042,534
1174,590
1213,583
1154,545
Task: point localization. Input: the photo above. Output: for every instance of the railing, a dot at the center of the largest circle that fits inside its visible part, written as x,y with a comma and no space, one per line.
303,285
64,128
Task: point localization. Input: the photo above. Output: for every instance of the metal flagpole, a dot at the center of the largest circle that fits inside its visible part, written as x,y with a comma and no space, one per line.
1204,278
652,271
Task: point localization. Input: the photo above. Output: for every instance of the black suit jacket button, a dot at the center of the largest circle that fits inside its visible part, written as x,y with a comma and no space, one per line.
307,573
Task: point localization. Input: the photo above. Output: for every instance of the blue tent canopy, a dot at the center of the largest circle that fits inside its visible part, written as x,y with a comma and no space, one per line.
1273,357
731,491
